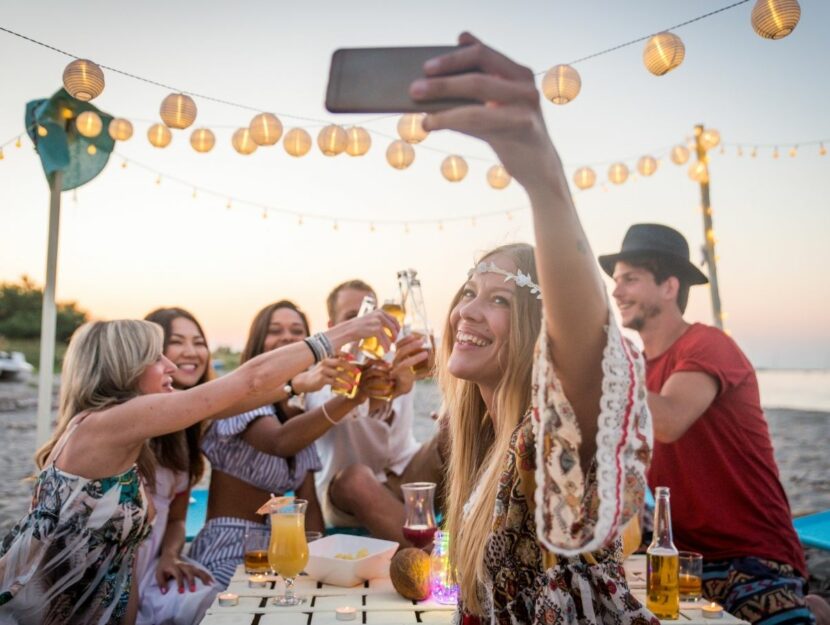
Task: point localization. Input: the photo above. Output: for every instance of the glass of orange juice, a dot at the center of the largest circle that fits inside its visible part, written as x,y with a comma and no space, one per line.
288,549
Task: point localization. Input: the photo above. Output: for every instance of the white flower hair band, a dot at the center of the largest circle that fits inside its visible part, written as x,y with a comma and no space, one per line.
521,279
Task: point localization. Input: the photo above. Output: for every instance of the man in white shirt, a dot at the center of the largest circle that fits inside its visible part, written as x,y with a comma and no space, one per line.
372,450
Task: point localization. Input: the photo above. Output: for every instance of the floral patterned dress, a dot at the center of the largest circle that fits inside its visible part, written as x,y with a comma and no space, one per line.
70,559
554,554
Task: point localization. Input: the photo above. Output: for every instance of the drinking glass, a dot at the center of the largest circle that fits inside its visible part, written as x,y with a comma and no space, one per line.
256,550
288,550
691,576
419,527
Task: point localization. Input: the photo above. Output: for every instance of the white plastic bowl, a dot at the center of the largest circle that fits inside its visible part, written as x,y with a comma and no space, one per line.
324,567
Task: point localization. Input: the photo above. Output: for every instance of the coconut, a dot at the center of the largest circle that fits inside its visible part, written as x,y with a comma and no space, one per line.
409,571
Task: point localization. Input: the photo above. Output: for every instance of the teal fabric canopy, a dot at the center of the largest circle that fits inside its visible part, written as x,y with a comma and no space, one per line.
63,148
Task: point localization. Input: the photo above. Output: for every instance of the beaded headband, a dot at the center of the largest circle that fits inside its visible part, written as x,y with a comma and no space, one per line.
521,279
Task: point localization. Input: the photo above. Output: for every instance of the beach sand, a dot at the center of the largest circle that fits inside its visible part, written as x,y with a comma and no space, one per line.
800,440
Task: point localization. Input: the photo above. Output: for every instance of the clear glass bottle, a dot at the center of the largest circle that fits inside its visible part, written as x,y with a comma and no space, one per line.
662,560
441,580
352,355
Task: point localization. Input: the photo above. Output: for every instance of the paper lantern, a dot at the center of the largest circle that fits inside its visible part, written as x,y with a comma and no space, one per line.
332,140
266,129
775,19
242,141
411,129
618,173
400,154
454,168
178,110
159,135
710,139
297,142
497,177
202,140
699,173
561,84
89,124
358,141
584,178
647,165
663,52
775,152
83,80
120,129
822,151
679,154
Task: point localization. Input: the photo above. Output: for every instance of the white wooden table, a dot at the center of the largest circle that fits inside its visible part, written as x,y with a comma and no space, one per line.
378,604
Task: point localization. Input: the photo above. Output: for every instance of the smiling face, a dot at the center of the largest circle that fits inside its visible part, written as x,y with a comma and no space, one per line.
157,377
188,350
480,322
639,298
285,327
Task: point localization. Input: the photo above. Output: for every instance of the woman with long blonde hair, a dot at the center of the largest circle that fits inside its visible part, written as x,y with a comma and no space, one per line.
549,444
71,558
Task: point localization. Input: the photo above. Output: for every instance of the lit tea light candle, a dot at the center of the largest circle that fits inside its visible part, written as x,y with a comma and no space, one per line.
257,581
346,613
713,610
228,599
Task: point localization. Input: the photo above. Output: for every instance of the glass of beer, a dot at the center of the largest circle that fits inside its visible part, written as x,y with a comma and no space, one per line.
691,576
288,549
371,346
256,550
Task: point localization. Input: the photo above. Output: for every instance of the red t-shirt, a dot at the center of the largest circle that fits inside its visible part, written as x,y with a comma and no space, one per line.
726,497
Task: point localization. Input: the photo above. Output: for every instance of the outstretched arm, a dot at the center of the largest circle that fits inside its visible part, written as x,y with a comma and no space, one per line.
510,119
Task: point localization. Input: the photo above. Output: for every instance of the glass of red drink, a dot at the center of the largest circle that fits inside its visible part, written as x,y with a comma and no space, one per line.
419,526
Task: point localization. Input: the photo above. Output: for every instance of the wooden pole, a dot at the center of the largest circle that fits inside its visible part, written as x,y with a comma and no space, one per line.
708,233
48,321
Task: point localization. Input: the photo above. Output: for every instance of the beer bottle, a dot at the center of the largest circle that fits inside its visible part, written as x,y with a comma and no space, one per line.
663,592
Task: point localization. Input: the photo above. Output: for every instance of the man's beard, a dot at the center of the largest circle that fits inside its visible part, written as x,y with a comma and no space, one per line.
638,322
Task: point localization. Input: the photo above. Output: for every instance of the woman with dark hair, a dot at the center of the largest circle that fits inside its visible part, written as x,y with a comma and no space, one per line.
179,465
263,452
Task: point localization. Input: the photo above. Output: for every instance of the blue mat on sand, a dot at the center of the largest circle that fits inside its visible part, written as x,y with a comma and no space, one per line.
814,529
197,511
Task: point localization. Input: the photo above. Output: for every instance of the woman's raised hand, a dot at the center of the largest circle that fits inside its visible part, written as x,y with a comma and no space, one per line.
509,117
328,371
377,323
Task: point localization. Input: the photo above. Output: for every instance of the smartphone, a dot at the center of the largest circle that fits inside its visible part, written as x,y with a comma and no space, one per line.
376,80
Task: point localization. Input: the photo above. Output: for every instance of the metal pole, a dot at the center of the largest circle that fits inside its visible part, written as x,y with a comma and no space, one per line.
708,233
49,319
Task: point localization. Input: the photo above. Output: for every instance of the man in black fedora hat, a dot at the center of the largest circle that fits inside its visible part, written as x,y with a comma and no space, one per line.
712,447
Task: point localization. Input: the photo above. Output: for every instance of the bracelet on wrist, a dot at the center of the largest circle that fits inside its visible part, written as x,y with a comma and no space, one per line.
327,416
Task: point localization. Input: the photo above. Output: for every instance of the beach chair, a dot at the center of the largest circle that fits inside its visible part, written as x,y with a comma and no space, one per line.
814,530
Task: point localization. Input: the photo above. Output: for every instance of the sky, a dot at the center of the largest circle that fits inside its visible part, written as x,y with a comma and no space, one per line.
129,245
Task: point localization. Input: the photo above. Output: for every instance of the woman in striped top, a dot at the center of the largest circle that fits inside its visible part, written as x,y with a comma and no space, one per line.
269,449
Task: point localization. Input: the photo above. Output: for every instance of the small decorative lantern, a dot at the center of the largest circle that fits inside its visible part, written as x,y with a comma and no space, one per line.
400,154
647,165
202,140
663,52
454,168
89,124
297,142
120,129
83,79
159,135
178,110
411,129
561,84
775,19
441,579
618,173
710,139
584,178
358,141
266,129
679,154
497,177
242,141
332,140
699,173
